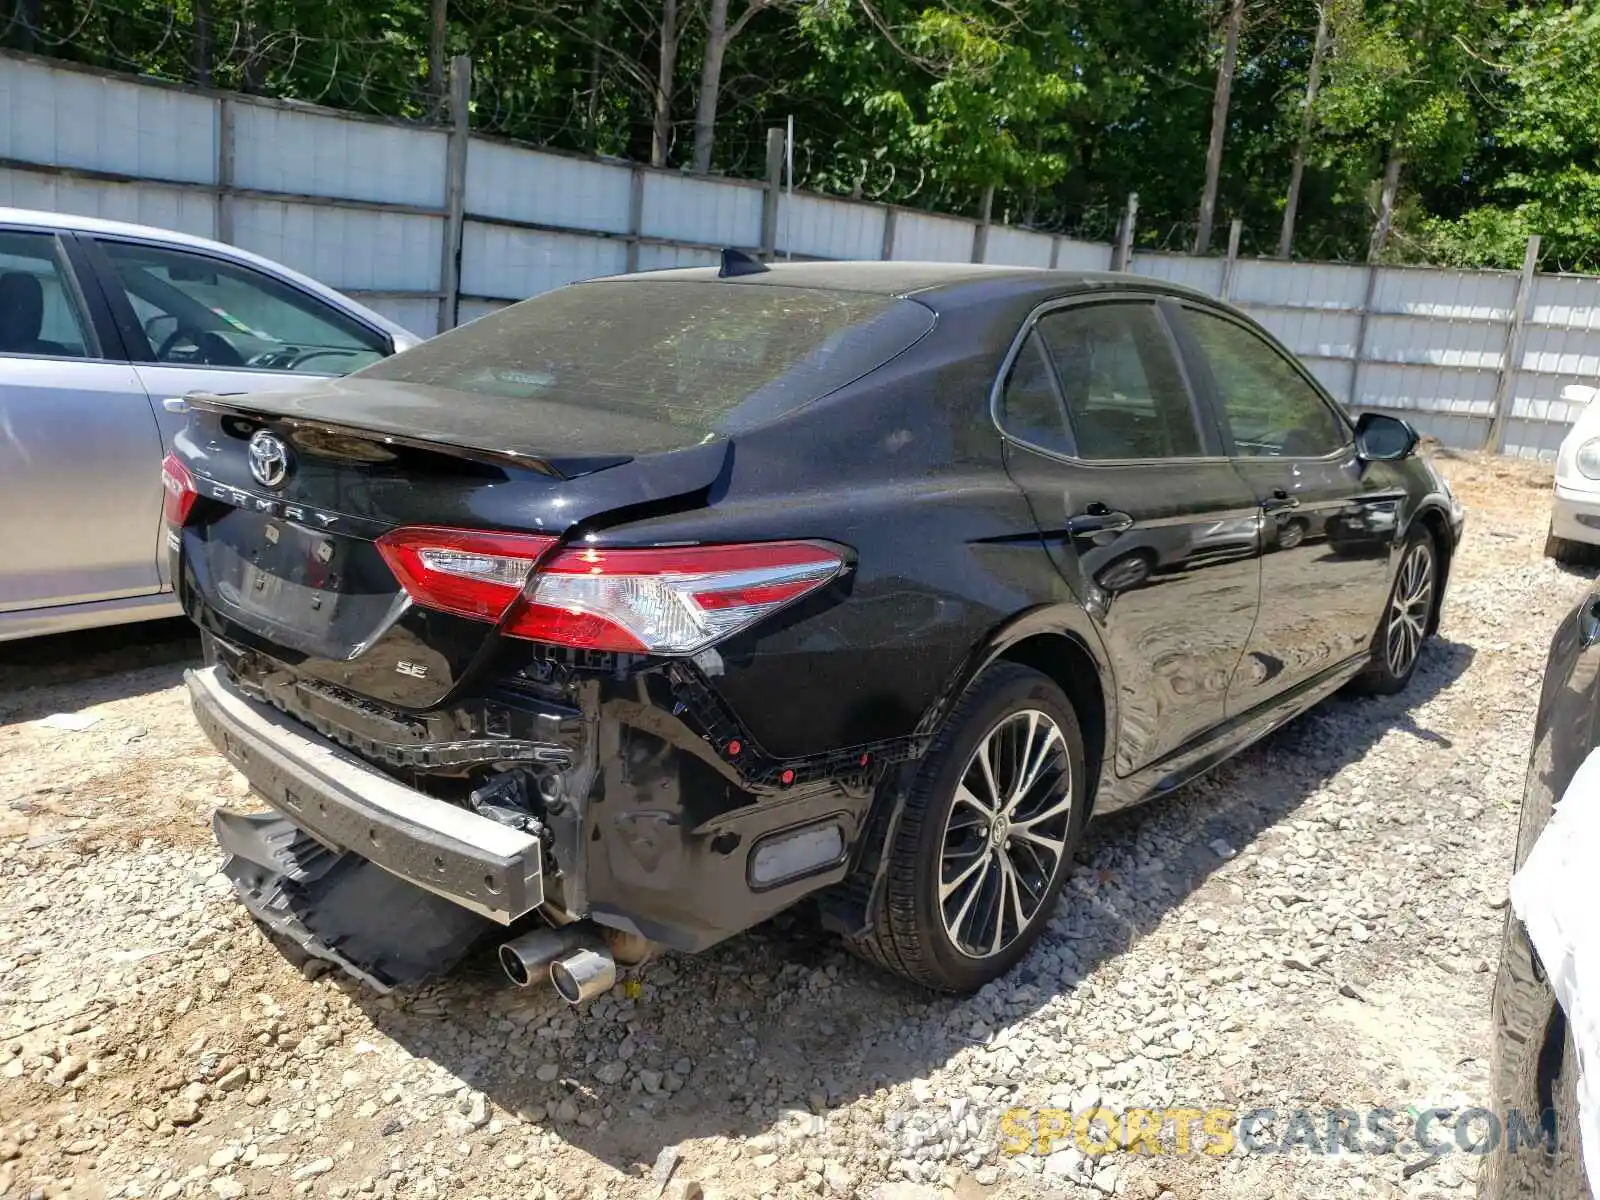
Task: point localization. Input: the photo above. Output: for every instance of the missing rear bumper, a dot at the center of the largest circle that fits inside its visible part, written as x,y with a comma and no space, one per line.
339,907
479,864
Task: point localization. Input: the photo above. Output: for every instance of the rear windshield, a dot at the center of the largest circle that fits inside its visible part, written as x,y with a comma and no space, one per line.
688,353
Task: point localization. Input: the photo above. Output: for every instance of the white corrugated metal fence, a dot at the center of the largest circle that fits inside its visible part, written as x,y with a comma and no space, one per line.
365,205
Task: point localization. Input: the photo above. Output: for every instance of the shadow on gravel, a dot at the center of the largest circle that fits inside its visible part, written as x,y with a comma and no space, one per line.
779,1023
97,665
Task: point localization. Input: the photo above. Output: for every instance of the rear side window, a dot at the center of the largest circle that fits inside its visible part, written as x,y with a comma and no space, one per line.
688,353
39,309
1030,406
1124,394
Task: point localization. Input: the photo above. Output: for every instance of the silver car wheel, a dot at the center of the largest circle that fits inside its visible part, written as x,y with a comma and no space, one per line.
1409,609
1006,833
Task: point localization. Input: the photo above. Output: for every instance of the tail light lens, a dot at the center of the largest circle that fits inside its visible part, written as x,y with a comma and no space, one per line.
462,571
673,601
178,484
670,601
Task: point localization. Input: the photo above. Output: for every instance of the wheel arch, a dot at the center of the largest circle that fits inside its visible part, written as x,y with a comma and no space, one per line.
1433,518
1068,662
1059,641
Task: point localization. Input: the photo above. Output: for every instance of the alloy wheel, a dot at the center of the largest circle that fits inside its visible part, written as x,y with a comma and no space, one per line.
1409,608
1006,833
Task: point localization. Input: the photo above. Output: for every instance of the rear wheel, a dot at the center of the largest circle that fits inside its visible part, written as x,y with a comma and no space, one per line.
1398,643
987,837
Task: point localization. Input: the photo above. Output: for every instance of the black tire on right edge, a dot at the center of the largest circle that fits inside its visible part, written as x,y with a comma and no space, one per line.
939,834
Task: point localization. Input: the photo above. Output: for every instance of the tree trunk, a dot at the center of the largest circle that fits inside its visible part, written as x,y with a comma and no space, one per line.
1298,168
202,42
705,116
254,70
22,27
1386,199
438,71
598,30
1219,127
661,130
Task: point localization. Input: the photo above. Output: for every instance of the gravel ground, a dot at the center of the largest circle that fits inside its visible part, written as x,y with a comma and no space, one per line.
1309,928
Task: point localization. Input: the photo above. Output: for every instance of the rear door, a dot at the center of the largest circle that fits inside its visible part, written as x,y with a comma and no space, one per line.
1329,518
1143,513
80,454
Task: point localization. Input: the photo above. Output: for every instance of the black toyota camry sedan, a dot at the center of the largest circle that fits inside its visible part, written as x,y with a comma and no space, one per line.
639,611
1533,1061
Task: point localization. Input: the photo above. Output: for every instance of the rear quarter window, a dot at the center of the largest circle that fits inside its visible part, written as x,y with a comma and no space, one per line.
699,354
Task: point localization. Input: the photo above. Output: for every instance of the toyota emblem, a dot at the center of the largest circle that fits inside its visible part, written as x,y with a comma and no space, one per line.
269,459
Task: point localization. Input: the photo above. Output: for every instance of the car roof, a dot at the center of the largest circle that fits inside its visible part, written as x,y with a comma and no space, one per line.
941,284
71,223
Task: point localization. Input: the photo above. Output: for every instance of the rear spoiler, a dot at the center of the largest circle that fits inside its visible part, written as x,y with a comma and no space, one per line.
250,408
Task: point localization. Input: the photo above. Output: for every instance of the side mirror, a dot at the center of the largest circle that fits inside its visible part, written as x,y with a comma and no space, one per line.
1578,393
1381,438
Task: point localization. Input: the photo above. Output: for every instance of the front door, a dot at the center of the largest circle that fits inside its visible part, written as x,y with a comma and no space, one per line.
1329,517
1145,517
79,450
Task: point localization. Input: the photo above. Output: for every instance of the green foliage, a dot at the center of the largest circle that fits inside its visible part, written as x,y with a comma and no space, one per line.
1063,107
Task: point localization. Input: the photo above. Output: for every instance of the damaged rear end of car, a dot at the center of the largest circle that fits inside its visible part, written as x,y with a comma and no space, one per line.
473,701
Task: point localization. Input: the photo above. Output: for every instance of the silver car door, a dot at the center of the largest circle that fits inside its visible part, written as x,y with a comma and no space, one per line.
200,322
80,453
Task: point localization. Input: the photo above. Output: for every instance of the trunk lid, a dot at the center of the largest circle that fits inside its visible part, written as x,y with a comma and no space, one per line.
286,565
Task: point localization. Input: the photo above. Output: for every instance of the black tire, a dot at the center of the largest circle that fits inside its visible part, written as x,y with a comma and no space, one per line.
1389,672
1567,553
911,934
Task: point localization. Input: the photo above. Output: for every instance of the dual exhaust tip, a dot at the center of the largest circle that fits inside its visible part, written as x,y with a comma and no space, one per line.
575,958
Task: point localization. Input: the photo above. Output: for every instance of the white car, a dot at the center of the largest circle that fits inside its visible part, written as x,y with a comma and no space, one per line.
1575,510
104,328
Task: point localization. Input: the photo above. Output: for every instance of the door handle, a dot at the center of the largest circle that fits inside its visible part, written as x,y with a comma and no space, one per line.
175,404
1097,518
1279,501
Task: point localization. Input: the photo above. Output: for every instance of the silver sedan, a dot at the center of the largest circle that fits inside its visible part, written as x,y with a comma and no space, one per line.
104,327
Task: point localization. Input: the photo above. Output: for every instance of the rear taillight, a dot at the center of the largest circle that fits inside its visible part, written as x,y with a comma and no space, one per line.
668,601
178,484
462,571
673,601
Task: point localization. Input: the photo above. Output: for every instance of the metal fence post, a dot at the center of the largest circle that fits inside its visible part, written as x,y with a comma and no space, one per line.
773,194
1232,261
635,217
888,233
225,148
980,231
1511,362
1122,253
1361,337
1055,252
455,191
